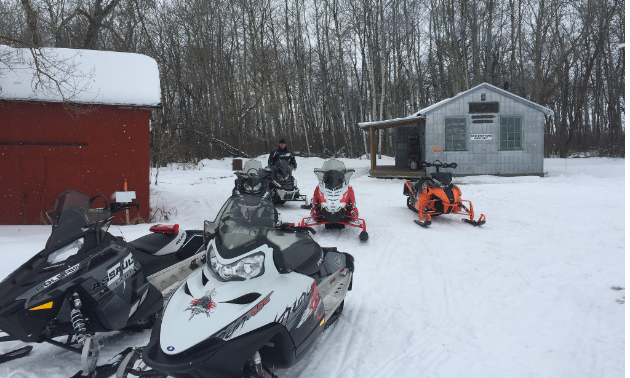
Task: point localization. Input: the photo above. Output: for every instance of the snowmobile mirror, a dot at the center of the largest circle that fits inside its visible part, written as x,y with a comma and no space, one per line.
209,231
99,196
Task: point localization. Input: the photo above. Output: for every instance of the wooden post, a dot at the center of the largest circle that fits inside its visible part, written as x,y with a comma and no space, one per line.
372,149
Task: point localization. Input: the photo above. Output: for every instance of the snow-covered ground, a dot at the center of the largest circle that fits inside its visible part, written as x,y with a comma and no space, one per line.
529,294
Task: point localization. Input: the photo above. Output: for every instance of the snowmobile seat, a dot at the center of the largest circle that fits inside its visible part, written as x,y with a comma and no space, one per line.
153,242
295,252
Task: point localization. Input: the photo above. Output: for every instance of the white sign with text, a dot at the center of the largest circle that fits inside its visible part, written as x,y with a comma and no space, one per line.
480,136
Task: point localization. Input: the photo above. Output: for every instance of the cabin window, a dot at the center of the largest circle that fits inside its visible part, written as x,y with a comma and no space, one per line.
511,133
483,97
455,130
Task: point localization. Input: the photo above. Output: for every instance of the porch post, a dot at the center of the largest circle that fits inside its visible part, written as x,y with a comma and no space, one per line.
372,149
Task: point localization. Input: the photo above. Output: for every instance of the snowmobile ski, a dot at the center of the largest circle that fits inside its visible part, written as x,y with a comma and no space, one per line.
15,354
423,224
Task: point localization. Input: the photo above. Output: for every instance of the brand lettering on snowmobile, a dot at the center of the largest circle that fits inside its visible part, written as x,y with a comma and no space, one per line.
260,306
312,306
203,305
73,269
229,330
118,273
180,239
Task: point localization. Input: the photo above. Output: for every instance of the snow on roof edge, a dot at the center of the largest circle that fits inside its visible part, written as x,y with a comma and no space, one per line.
84,77
541,108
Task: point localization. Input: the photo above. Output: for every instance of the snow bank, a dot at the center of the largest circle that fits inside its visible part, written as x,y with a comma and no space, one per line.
79,76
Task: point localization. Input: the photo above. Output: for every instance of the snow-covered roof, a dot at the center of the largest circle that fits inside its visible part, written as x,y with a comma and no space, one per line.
391,122
491,87
79,76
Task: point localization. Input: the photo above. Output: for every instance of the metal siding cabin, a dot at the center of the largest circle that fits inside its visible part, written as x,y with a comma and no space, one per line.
485,130
91,145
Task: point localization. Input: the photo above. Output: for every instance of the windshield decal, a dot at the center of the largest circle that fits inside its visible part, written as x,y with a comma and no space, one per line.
203,305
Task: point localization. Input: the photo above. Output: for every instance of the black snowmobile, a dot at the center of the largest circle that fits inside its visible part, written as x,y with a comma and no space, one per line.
86,280
252,179
283,185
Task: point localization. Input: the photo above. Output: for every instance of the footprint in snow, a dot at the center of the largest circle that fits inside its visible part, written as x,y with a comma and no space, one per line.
619,288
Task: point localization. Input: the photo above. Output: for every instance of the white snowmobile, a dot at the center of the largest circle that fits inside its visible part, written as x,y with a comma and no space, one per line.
264,295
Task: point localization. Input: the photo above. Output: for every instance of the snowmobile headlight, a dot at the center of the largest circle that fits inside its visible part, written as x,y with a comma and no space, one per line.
257,188
66,251
247,187
246,268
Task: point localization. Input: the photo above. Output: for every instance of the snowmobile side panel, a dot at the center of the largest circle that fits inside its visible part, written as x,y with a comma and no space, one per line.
280,350
313,326
150,304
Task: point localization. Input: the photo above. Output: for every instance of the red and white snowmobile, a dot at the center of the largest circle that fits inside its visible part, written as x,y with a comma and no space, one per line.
333,202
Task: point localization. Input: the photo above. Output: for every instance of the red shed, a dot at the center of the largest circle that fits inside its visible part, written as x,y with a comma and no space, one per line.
88,129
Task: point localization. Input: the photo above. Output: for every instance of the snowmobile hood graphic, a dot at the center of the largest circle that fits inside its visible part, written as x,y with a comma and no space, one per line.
234,301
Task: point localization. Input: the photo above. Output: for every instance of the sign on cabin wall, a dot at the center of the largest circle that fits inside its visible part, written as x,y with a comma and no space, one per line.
480,136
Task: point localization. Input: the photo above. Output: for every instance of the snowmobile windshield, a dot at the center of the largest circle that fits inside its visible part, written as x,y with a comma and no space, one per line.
242,224
334,180
72,216
252,167
283,169
253,182
333,174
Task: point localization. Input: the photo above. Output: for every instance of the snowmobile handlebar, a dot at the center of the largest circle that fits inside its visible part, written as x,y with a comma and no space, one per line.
438,164
117,206
292,226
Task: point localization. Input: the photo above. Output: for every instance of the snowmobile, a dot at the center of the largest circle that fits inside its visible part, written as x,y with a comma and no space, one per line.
266,293
333,202
86,280
252,179
283,185
436,194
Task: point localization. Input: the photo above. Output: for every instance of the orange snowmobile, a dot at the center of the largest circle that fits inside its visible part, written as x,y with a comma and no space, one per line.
436,195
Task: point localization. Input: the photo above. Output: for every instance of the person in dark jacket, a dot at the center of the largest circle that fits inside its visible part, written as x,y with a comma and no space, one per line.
281,151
